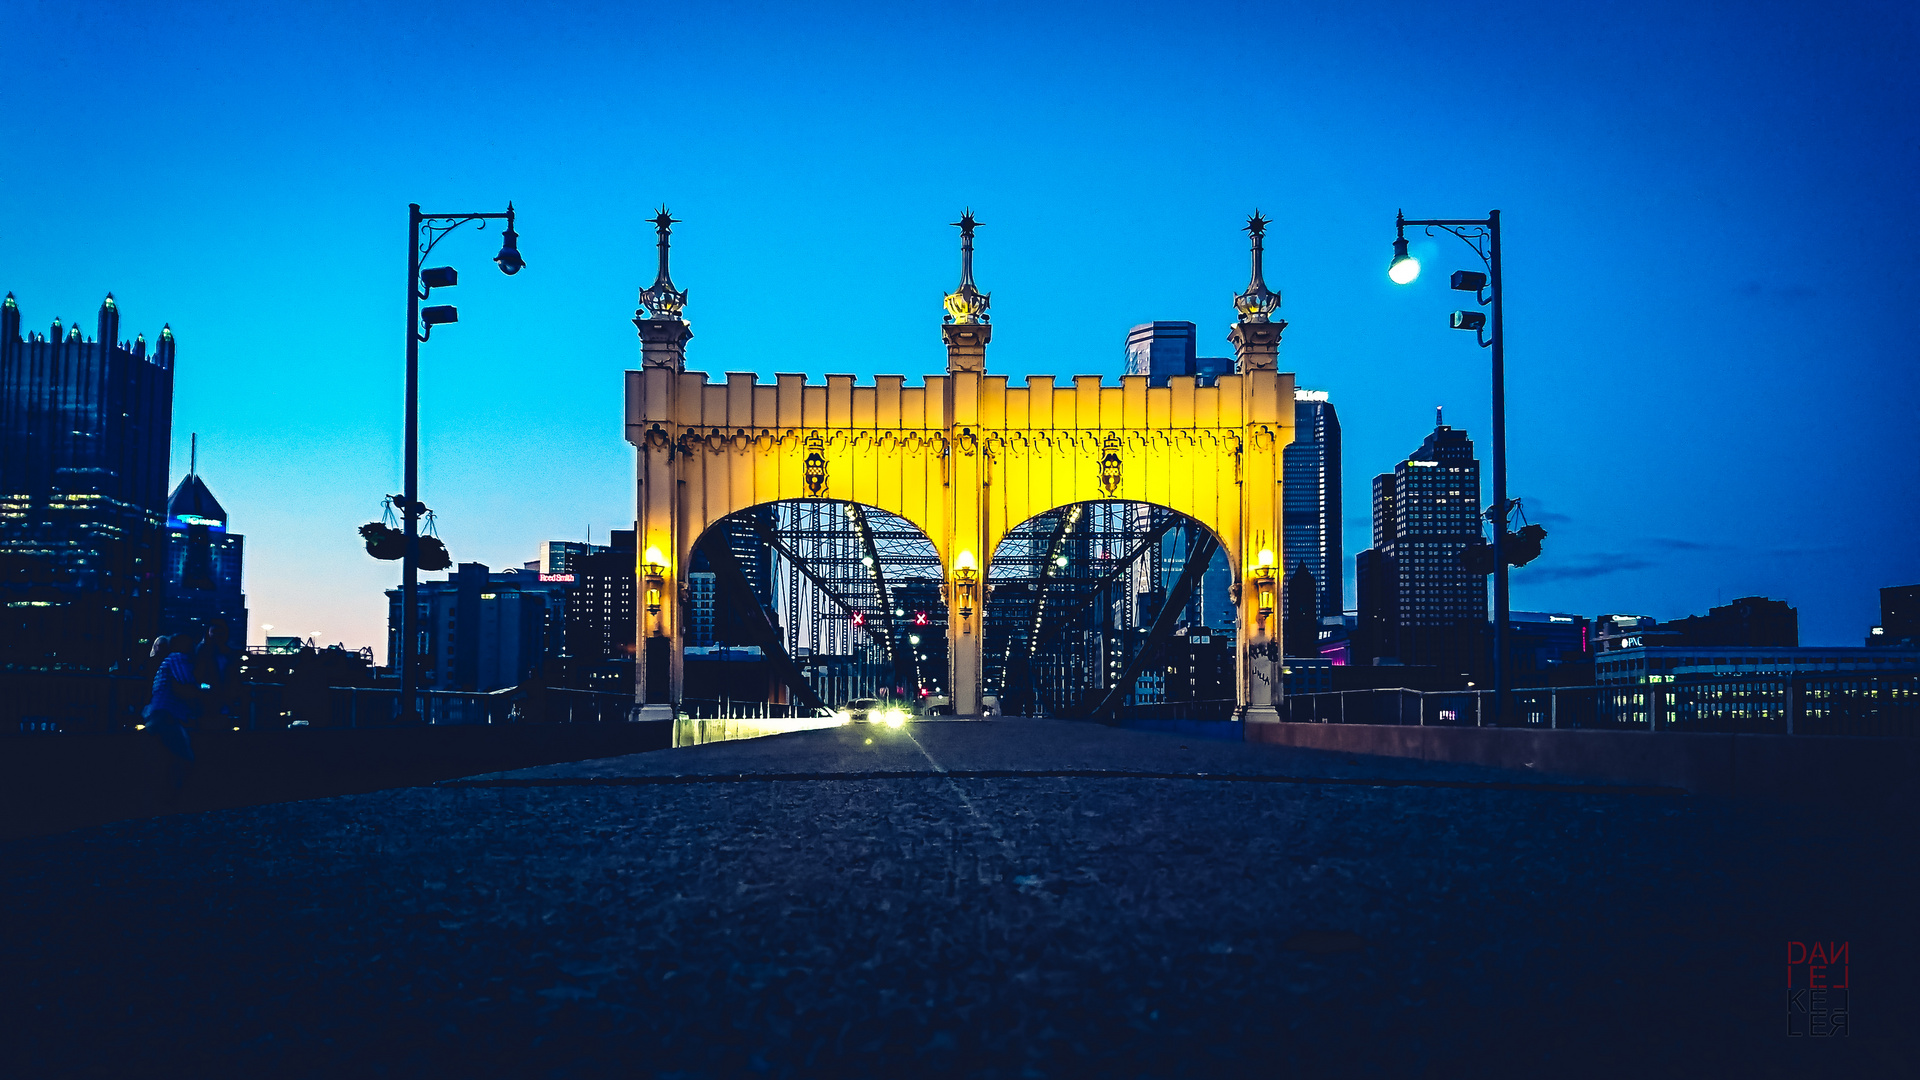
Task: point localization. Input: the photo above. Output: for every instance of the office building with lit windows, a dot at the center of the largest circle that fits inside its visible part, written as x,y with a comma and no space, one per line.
1418,605
84,432
203,564
1310,507
482,629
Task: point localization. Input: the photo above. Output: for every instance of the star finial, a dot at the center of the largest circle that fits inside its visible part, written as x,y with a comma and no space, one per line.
966,304
662,300
1257,303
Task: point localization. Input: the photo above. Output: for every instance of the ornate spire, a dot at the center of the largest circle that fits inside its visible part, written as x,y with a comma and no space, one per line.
967,304
109,322
1258,303
661,300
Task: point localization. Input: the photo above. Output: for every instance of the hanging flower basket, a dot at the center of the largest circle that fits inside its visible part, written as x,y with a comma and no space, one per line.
433,554
384,541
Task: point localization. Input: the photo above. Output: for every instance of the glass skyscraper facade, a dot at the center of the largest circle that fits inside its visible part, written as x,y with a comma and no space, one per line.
203,565
1310,506
84,429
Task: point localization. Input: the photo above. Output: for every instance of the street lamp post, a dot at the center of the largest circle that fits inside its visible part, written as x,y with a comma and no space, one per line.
424,232
1483,236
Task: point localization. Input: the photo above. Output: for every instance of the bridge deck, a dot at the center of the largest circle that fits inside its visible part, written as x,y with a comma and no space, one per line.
999,898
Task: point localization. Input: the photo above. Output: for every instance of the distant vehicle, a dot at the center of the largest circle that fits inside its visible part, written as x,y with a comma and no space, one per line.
296,723
868,710
939,705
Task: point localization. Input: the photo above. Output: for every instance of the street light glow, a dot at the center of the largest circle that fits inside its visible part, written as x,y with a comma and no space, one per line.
1404,267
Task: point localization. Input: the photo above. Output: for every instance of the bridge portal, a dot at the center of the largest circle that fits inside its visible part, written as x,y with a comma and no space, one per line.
965,457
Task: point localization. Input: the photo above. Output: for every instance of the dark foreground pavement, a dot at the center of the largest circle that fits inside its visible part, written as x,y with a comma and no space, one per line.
1010,899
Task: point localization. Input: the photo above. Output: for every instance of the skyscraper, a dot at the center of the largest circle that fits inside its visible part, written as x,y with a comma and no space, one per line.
1310,510
203,563
1161,350
1418,604
84,428
602,614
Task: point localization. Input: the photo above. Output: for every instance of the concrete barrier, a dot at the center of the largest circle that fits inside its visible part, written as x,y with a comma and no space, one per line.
52,783
1879,777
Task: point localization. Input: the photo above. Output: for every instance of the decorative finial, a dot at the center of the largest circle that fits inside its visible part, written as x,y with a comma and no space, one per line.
661,300
1258,303
967,304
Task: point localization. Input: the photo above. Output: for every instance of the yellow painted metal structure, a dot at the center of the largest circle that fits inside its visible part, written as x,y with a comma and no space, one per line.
967,458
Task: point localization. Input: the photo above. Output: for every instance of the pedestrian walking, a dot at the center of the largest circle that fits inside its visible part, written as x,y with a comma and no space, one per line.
174,705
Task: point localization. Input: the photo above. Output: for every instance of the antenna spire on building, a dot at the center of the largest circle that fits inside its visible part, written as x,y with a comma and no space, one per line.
1439,416
193,454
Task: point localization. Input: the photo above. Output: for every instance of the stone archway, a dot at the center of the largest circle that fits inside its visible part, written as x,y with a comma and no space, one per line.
965,457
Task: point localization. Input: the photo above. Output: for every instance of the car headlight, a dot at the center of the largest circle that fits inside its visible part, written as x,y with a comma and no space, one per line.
843,716
894,717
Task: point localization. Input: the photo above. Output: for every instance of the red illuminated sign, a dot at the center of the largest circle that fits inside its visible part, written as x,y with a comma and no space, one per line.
920,619
859,618
568,578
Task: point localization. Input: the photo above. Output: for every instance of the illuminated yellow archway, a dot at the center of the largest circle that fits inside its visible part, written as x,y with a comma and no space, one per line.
965,457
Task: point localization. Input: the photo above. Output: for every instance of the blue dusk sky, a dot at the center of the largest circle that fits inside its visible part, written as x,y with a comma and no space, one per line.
1710,217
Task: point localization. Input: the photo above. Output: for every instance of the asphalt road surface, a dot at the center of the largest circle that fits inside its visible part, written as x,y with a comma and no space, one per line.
999,899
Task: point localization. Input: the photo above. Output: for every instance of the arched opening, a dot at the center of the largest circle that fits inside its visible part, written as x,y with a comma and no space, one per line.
801,605
1101,608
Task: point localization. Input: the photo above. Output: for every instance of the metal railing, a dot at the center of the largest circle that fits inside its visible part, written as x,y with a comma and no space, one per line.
1206,709
34,703
724,709
1838,703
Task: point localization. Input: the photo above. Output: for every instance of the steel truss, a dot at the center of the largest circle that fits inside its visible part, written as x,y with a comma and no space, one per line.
850,587
1078,600
1075,597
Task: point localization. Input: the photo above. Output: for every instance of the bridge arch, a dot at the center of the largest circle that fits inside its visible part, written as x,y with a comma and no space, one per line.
1085,598
833,600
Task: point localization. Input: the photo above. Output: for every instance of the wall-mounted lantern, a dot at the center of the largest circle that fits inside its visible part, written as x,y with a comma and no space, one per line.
966,575
655,567
1263,586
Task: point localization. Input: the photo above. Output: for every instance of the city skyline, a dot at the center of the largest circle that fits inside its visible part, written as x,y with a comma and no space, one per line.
1661,391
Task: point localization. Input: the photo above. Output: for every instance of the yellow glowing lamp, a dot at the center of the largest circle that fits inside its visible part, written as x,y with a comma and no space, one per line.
655,564
1263,584
966,574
